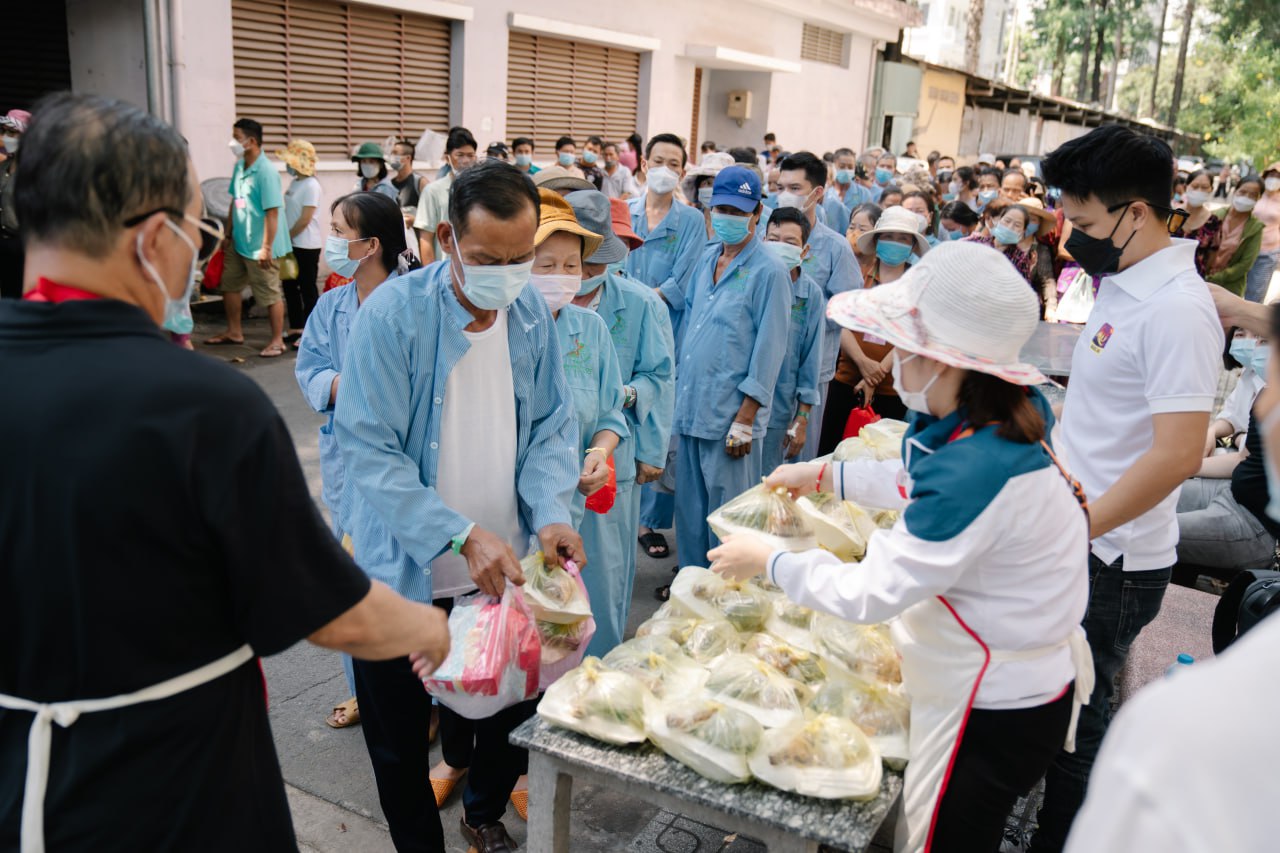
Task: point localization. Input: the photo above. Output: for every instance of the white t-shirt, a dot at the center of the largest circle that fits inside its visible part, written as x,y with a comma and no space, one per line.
1152,345
620,182
1189,764
476,472
1239,403
304,192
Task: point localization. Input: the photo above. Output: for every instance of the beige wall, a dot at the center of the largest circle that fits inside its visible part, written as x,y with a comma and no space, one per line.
941,112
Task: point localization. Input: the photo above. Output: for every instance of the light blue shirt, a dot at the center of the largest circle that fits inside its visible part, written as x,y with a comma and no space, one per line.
591,369
802,363
320,356
640,327
735,340
838,211
670,251
834,269
405,341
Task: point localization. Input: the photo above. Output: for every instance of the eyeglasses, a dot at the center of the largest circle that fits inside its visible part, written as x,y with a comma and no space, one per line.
211,231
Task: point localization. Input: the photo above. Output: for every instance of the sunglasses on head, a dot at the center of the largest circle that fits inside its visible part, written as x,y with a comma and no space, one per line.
211,232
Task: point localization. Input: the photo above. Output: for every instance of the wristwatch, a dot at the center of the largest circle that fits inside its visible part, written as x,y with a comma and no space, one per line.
456,543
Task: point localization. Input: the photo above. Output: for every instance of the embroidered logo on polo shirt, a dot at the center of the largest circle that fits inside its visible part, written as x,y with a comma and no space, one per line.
799,307
738,281
618,331
1099,342
578,360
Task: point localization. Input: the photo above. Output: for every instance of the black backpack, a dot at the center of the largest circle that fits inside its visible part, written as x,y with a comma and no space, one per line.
1250,596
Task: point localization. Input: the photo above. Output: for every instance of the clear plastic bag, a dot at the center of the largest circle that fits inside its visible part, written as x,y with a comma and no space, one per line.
882,711
709,596
769,514
841,527
554,594
863,650
795,663
711,738
793,624
749,684
708,640
598,702
674,628
823,756
658,663
495,657
886,518
884,437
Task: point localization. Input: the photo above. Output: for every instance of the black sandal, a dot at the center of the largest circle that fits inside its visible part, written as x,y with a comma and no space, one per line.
655,540
663,593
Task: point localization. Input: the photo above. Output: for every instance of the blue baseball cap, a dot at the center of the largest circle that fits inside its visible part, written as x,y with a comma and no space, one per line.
736,186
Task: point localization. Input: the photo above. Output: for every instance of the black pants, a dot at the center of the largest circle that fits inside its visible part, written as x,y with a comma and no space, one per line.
840,403
484,747
300,294
1002,755
395,713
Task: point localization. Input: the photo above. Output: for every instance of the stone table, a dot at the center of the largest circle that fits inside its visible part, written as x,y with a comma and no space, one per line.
785,822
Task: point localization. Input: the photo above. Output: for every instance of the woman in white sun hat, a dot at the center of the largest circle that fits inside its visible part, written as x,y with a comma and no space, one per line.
986,571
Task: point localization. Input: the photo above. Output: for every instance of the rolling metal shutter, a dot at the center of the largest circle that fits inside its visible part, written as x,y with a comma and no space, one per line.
557,87
697,104
339,74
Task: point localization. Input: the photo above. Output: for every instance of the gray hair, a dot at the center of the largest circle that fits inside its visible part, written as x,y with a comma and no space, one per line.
89,163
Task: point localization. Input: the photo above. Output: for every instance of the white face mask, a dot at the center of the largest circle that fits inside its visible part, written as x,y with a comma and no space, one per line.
11,144
1196,198
394,164
177,312
237,149
916,401
1242,203
1272,184
369,170
793,200
490,288
557,290
662,180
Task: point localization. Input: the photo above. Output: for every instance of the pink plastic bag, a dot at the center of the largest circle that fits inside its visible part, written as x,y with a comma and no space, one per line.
564,645
494,659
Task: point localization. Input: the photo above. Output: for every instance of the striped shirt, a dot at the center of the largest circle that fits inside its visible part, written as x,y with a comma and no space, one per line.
406,339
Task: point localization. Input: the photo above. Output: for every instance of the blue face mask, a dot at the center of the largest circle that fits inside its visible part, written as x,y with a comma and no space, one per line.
785,252
619,268
590,284
987,196
731,229
948,196
1005,236
1032,228
177,312
883,176
955,235
524,160
1258,361
893,254
589,157
491,287
336,252
1242,350
844,176
565,160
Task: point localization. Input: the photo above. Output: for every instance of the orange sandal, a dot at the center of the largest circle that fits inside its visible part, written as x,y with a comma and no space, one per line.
520,799
443,789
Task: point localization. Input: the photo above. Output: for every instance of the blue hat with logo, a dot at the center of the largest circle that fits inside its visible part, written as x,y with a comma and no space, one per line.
736,186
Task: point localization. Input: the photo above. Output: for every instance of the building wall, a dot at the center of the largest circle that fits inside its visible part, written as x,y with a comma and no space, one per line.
107,47
940,119
726,131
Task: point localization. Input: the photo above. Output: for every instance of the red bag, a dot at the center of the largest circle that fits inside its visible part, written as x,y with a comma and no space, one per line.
213,271
601,500
859,418
334,280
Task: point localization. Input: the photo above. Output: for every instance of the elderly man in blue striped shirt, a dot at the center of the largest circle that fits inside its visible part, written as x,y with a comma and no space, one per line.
458,433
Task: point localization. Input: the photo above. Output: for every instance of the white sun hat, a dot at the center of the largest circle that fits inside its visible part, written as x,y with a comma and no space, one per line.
964,305
895,220
712,163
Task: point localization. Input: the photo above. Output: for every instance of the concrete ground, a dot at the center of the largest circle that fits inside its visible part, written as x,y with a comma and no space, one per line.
329,778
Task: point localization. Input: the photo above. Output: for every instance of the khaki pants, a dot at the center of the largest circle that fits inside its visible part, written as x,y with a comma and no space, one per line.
239,271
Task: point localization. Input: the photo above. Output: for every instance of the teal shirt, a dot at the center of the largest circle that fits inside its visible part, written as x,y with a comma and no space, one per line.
255,190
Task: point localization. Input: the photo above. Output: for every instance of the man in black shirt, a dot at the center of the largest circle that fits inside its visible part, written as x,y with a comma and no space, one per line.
156,531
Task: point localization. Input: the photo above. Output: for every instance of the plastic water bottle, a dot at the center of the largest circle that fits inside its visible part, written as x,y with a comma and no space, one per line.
1184,660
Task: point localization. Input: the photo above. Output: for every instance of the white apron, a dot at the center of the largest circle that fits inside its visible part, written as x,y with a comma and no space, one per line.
66,713
943,663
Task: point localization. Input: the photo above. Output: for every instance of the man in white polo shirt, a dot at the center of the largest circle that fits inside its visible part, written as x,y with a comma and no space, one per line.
1143,379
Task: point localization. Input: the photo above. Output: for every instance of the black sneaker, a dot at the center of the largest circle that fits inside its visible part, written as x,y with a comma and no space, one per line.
490,838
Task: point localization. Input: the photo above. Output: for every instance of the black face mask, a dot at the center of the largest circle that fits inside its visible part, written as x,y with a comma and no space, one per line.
1098,255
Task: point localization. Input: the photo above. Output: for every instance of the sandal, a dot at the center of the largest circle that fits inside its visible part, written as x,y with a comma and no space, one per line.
292,336
520,799
655,545
663,593
443,788
273,351
224,341
350,709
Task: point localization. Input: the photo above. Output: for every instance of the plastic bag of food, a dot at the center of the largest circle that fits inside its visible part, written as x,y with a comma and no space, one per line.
823,757
841,527
862,650
708,640
598,702
494,659
708,736
884,437
769,514
674,628
851,449
793,624
658,663
749,684
710,596
565,643
795,663
553,593
885,518
882,711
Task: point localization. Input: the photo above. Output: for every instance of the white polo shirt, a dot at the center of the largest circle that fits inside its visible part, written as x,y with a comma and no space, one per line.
1153,345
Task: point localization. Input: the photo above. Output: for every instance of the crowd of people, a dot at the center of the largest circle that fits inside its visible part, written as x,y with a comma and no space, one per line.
574,359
